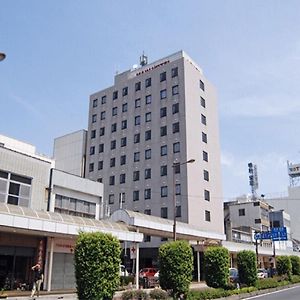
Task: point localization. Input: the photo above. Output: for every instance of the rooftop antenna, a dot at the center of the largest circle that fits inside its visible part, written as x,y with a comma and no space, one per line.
143,60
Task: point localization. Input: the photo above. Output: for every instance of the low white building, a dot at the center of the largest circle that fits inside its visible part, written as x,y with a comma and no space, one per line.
290,203
42,210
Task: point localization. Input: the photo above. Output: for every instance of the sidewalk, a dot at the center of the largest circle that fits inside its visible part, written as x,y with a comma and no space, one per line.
44,295
71,295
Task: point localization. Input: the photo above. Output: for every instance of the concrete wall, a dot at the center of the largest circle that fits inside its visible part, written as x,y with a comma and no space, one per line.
291,205
28,166
69,152
195,146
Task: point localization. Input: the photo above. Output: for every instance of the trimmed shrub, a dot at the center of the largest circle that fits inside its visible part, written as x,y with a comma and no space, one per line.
295,261
283,265
246,262
216,264
159,294
266,283
295,279
176,267
97,261
128,295
135,294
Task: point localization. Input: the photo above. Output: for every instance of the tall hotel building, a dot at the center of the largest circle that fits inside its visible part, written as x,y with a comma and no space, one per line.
154,116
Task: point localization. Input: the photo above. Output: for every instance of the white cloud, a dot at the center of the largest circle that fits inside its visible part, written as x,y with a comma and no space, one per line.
262,106
31,108
267,88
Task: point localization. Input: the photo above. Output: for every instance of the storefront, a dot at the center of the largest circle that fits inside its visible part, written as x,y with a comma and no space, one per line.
29,236
17,255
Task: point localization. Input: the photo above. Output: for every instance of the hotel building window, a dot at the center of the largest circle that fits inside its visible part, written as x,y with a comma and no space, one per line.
163,76
123,160
113,144
137,120
136,138
148,99
148,154
175,108
136,195
174,72
125,91
163,94
147,194
95,102
115,95
147,173
164,212
176,147
164,150
175,90
201,83
148,82
206,195
137,86
163,112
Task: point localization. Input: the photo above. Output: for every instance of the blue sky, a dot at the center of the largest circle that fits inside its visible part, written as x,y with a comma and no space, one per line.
60,52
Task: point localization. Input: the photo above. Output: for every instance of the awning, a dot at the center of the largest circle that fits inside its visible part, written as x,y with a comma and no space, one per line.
25,220
156,226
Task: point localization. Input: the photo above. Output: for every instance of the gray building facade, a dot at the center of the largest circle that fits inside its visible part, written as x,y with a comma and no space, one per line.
152,117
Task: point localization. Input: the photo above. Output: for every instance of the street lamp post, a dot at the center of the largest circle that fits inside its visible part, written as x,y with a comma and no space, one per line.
176,164
2,56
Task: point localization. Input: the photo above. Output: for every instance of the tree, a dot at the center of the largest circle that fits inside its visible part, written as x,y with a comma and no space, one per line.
176,267
216,261
246,262
97,261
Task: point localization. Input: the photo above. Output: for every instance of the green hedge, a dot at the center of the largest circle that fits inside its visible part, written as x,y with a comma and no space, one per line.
97,261
295,261
246,262
217,293
135,294
260,285
283,265
216,264
176,267
158,294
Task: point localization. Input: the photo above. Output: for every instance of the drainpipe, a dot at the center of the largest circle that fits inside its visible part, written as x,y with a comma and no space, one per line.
49,190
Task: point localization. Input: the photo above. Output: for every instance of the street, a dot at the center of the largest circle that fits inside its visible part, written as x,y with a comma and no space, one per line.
292,293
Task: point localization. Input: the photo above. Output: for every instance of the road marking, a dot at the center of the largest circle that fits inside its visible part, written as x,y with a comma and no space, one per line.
257,296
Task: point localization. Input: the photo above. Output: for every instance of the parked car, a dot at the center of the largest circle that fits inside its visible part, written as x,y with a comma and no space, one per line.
147,272
156,275
233,275
123,271
262,273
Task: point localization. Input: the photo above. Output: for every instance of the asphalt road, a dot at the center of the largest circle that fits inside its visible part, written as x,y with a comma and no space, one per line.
292,293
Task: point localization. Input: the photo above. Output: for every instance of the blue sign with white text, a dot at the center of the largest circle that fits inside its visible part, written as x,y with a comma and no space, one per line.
279,234
276,234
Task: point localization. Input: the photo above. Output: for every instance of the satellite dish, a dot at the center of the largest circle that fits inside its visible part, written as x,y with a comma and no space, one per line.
135,66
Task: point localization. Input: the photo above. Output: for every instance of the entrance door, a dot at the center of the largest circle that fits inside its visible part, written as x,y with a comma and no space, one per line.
63,272
15,267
